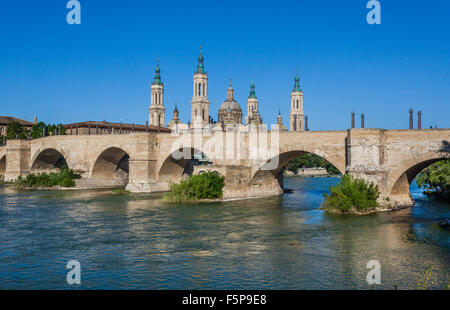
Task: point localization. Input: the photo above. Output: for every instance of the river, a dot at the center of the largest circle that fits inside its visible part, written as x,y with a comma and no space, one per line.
139,242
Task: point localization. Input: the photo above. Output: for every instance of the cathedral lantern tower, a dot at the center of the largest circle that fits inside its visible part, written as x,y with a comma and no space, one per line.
157,110
200,102
253,115
297,117
230,112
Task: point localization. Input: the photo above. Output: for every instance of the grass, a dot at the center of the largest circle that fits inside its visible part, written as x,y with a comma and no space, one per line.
64,178
204,186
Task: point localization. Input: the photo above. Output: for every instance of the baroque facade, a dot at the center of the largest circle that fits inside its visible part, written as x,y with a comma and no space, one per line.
230,114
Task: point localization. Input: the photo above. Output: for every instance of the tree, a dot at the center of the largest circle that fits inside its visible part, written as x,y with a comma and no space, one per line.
50,129
15,129
436,179
309,160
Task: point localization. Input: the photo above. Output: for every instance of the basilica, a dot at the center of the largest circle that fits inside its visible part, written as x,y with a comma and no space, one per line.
230,114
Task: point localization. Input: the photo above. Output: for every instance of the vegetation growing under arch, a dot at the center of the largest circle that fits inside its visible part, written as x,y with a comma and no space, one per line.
207,185
310,160
64,178
436,180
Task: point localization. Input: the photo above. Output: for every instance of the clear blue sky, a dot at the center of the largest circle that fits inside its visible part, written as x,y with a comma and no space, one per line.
67,73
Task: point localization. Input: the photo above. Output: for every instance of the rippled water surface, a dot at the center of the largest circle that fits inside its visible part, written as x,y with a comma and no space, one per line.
285,242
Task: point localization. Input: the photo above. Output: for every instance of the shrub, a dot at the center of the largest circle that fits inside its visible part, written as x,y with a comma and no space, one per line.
207,185
436,179
64,178
352,194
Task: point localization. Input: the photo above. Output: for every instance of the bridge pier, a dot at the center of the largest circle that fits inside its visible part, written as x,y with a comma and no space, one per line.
142,177
366,159
17,159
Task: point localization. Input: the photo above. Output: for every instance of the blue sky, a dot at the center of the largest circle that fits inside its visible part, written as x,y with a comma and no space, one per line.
104,67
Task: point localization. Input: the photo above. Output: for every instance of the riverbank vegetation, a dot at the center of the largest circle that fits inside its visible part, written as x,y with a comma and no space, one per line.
64,178
309,160
203,186
435,180
120,191
352,195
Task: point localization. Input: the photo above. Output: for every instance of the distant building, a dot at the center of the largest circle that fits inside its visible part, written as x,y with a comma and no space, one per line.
103,128
230,112
5,120
253,116
297,117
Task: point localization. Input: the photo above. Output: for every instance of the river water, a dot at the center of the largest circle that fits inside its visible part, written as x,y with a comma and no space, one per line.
286,242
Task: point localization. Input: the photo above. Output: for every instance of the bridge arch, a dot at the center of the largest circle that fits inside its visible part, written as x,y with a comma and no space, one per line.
173,169
49,159
400,179
112,164
268,178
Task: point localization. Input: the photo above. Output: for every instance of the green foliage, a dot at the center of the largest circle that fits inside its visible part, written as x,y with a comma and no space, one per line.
309,160
50,129
64,178
352,194
2,140
207,185
120,191
14,129
436,179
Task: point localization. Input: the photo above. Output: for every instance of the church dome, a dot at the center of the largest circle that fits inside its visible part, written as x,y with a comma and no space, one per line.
231,105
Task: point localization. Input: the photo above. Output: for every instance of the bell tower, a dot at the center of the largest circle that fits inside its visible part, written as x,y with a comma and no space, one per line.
200,102
297,117
157,110
253,115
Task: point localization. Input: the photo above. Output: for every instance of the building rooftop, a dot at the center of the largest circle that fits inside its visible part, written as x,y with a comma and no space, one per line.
5,120
125,126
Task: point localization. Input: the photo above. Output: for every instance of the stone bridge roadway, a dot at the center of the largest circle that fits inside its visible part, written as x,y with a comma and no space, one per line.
252,163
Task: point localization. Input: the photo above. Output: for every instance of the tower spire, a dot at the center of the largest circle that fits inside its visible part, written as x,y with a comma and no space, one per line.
157,79
252,90
200,66
297,82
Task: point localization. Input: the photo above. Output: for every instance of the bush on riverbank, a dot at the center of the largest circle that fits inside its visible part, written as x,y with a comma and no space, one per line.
207,185
64,178
352,195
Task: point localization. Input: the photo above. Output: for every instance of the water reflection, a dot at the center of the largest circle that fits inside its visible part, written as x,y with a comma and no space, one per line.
281,242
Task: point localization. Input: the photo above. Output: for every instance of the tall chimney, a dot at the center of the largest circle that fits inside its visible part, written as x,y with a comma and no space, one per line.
411,125
362,120
353,119
306,123
419,120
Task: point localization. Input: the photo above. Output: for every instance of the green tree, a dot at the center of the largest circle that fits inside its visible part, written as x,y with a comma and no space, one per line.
15,129
436,179
309,160
50,129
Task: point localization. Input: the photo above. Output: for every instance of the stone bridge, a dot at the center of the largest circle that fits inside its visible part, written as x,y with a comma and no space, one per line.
251,163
